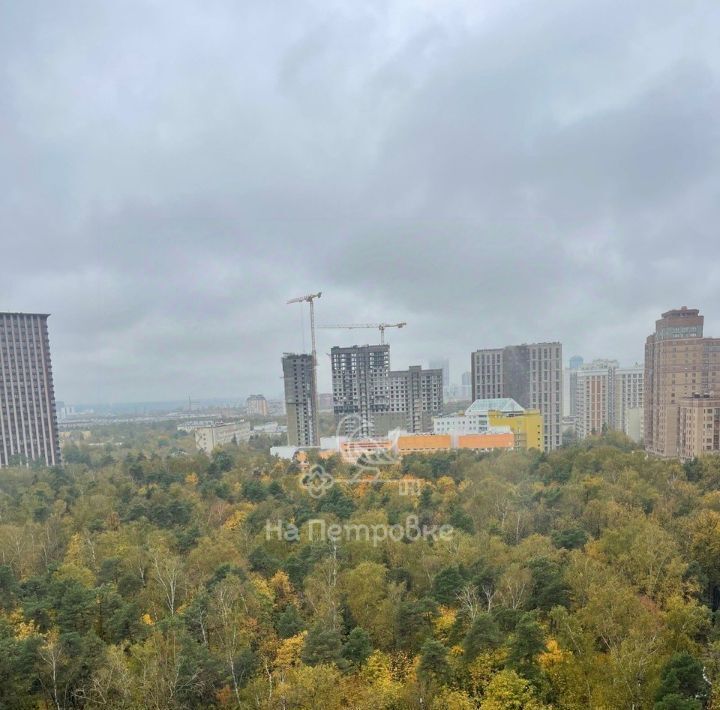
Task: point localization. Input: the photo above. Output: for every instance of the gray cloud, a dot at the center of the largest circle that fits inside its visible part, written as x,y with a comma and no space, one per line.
171,173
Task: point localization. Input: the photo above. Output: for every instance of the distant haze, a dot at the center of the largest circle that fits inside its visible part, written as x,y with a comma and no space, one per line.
171,172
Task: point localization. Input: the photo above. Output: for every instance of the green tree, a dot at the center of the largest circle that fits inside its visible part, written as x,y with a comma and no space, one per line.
434,662
483,635
357,647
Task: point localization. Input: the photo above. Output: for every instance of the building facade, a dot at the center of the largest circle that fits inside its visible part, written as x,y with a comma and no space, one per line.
415,397
361,389
299,378
256,405
529,374
594,394
207,438
681,366
495,415
608,396
699,426
369,399
630,401
28,420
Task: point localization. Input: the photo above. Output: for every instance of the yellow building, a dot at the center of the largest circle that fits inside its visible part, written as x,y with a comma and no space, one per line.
527,426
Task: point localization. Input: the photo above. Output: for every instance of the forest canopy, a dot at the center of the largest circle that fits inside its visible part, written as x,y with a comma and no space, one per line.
588,577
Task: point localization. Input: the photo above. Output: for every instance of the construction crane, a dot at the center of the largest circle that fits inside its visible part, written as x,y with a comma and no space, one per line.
380,326
310,298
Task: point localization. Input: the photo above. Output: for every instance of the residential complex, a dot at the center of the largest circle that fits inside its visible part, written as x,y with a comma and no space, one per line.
28,423
369,399
256,405
300,388
682,383
529,374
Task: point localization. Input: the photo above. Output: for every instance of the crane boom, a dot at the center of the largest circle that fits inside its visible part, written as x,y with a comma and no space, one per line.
380,326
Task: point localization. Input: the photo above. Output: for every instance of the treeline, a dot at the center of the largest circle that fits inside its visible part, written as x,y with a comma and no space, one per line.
585,578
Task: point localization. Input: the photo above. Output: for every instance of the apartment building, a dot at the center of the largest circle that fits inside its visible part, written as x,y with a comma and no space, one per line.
361,389
608,396
369,399
28,421
699,426
594,394
681,366
300,389
529,374
256,405
630,401
415,397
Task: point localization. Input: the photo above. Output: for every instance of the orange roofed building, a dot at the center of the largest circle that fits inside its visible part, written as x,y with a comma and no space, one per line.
486,442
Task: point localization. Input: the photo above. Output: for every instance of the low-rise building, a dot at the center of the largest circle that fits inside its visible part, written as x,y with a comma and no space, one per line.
207,438
495,415
526,426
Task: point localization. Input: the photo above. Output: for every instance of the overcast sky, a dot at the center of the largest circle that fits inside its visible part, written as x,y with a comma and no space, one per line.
172,171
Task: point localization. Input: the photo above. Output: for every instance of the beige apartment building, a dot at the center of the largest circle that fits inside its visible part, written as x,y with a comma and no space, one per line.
608,396
699,426
682,377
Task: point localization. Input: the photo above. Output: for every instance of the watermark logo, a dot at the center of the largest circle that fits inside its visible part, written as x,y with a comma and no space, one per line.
317,481
366,453
319,530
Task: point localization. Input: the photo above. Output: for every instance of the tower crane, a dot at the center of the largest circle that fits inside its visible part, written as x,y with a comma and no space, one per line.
380,326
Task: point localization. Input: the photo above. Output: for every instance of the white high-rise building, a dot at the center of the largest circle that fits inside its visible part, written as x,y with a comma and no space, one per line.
608,397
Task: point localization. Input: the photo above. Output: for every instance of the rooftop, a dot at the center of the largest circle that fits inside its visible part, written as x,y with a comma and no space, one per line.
504,404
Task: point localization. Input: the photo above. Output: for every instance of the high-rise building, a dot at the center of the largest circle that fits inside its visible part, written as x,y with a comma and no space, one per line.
681,369
361,389
257,405
608,396
415,396
28,422
299,376
570,385
595,397
369,399
630,400
529,374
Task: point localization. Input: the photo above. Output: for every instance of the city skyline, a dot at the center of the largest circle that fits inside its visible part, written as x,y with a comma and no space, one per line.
459,365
